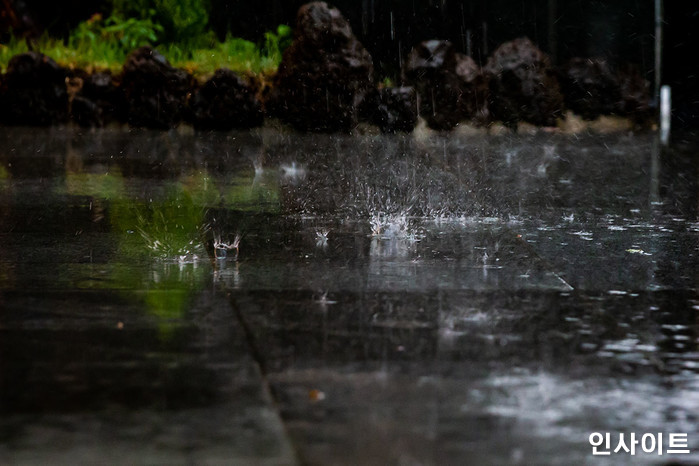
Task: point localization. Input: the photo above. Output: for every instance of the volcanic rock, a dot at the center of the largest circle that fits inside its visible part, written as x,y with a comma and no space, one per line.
635,94
98,102
33,91
392,109
224,102
449,85
523,85
324,75
155,92
589,87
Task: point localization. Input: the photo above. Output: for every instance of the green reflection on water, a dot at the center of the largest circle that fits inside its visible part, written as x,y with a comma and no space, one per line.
202,188
170,290
5,179
160,258
172,228
258,193
5,184
105,186
168,234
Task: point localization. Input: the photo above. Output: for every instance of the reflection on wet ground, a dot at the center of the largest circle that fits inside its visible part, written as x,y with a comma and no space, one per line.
264,298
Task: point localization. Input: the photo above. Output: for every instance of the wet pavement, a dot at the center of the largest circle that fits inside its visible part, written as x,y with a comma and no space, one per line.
271,298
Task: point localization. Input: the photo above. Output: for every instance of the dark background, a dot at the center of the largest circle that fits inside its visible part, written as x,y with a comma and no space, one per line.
620,30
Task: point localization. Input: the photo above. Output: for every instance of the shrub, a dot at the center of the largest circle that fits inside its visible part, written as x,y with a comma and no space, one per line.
182,21
128,34
276,43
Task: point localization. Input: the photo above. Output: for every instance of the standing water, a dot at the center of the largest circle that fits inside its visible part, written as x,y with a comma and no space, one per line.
265,298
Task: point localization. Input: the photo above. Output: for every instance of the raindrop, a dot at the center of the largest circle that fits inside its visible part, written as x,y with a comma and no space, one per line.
469,52
485,38
365,17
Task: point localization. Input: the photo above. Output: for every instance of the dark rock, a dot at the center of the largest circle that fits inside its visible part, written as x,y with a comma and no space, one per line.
86,112
98,101
324,75
474,98
523,85
589,87
155,92
224,102
33,91
635,94
394,109
449,85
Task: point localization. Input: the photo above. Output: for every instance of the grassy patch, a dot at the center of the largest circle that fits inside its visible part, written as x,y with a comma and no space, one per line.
104,44
237,54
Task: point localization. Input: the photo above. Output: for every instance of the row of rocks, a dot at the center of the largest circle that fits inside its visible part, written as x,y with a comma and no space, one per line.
325,83
148,93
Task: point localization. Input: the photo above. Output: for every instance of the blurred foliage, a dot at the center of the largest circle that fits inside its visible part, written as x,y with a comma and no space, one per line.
276,43
182,21
127,34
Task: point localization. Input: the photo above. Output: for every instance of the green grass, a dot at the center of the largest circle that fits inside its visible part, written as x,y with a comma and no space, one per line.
236,54
99,44
10,49
99,56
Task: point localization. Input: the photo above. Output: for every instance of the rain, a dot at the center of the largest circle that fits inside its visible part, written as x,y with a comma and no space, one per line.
423,235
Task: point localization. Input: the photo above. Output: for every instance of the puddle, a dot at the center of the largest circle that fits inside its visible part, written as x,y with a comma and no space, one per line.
450,297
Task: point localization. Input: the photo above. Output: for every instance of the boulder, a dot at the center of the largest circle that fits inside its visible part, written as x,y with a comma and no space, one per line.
394,109
155,93
98,101
589,87
523,85
474,98
324,75
224,102
635,94
449,85
33,91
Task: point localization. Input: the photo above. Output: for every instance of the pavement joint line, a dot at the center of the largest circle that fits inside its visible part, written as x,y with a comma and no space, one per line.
262,368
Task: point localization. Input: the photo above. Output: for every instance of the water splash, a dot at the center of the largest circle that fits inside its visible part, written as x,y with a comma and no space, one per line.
221,247
322,237
293,172
172,244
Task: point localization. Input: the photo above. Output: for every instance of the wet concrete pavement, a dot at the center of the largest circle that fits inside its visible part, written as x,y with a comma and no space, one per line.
392,299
